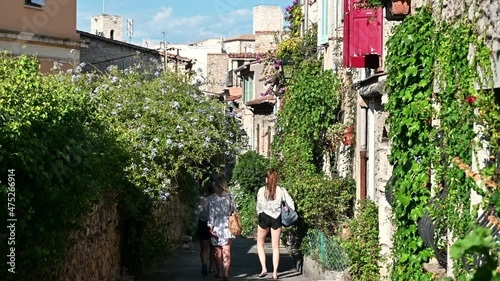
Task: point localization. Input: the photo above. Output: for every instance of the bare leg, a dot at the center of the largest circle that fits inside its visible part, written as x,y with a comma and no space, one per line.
212,258
261,239
226,253
275,238
204,248
218,260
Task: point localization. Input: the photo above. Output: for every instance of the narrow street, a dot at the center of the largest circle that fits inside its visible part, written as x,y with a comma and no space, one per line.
184,265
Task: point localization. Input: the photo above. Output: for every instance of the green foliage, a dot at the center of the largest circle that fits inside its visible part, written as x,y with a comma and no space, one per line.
478,244
322,203
250,171
308,110
63,155
171,127
362,244
422,55
294,15
138,135
249,175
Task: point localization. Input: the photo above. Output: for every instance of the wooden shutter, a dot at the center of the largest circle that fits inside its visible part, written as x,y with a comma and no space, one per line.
362,35
324,22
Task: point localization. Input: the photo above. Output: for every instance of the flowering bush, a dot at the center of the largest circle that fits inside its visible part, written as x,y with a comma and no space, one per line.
294,15
70,137
172,129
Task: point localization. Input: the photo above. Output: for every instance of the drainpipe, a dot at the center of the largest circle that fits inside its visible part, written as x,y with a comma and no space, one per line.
306,17
363,153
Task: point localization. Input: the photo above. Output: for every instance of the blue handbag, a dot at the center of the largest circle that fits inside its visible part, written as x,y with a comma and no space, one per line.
288,215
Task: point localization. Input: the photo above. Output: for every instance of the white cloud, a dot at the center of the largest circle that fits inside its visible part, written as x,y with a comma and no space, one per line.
162,15
150,24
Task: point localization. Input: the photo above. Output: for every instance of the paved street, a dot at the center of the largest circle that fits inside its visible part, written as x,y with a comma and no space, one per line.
185,265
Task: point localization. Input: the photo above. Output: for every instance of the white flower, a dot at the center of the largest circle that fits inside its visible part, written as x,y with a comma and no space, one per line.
175,104
169,141
156,140
137,115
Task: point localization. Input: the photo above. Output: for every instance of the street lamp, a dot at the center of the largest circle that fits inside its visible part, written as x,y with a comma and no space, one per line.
286,63
244,139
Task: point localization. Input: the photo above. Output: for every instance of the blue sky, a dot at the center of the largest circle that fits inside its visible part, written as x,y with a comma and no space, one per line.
184,21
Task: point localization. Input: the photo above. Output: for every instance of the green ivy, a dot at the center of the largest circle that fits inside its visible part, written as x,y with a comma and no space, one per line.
362,243
423,55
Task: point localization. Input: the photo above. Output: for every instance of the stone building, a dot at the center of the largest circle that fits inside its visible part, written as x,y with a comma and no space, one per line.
106,47
103,52
46,29
108,26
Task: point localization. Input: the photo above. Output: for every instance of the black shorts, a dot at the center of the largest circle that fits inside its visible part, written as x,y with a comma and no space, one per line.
203,231
266,221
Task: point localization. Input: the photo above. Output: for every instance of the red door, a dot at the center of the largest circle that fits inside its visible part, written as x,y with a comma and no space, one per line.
362,35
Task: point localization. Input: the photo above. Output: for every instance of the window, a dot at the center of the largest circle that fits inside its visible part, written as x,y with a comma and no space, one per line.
248,94
324,22
35,3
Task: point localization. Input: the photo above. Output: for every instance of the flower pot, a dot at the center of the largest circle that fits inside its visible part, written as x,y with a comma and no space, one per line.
348,137
397,9
346,231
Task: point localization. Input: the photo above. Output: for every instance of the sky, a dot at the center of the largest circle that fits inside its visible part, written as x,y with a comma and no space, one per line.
183,21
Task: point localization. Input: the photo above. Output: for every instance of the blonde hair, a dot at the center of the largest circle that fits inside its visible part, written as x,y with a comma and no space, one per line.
220,184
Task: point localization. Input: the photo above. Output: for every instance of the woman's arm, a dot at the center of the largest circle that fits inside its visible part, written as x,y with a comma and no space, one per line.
289,199
259,206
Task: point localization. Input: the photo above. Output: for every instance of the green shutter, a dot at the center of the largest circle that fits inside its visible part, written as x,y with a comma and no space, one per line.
324,22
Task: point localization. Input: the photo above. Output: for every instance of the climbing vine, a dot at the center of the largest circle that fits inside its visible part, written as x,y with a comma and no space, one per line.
434,103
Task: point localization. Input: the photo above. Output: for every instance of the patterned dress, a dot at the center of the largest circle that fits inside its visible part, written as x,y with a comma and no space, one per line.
219,210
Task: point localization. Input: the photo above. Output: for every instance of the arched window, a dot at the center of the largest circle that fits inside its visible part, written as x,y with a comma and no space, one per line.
112,34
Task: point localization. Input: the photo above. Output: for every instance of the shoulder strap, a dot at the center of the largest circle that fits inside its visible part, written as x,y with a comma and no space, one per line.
231,204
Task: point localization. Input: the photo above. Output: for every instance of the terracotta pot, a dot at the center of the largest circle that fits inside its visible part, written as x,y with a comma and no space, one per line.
348,137
397,9
400,7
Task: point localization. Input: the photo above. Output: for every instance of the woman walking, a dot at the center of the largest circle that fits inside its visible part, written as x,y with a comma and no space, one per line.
269,198
220,206
206,248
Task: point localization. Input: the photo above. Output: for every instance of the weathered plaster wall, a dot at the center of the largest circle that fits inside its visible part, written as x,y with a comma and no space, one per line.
265,41
267,18
217,73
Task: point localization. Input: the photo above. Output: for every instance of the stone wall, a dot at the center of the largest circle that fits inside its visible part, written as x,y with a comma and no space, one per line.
267,18
265,41
103,52
96,252
171,217
217,65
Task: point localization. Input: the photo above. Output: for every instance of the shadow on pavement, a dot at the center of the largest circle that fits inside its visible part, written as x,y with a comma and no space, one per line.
185,264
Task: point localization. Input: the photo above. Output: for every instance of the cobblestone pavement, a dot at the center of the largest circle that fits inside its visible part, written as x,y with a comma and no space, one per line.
185,265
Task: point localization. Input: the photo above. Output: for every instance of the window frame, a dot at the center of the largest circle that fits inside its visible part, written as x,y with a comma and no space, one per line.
31,3
248,86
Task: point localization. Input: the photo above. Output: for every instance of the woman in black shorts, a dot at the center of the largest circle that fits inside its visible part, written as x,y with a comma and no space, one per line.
269,198
203,232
